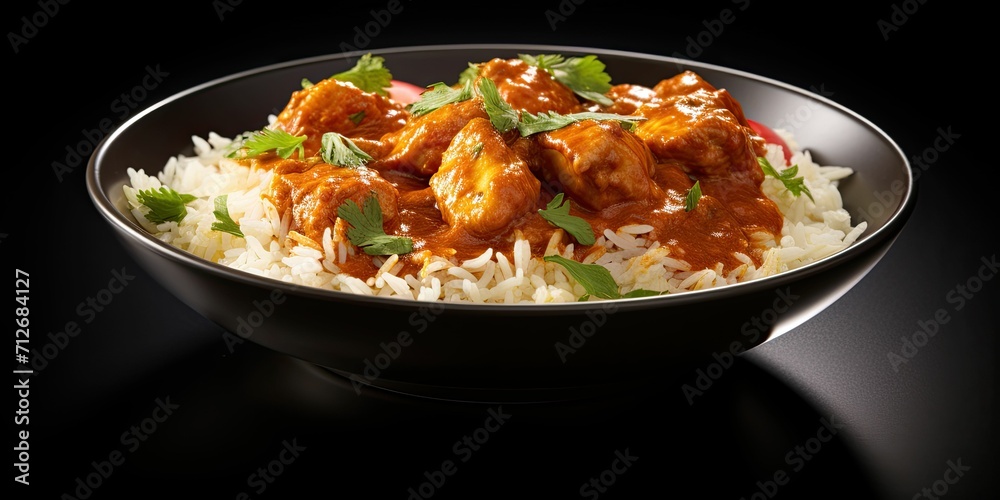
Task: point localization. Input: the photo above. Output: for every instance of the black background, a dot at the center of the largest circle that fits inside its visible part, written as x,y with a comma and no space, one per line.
897,430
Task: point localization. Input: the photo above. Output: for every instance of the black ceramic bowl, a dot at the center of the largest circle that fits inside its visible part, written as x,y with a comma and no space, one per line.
504,352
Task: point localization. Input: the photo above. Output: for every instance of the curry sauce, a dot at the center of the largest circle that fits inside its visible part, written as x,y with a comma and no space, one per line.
457,186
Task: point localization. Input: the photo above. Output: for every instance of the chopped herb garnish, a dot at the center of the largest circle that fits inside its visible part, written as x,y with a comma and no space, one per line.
368,74
306,83
501,114
585,76
546,121
787,177
164,204
557,213
469,74
693,195
476,149
366,229
356,117
596,279
339,150
440,95
223,222
262,141
504,117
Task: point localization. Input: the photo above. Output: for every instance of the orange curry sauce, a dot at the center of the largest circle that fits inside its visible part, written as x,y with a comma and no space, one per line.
456,186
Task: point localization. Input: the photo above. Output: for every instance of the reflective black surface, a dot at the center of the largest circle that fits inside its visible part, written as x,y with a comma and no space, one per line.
111,349
239,412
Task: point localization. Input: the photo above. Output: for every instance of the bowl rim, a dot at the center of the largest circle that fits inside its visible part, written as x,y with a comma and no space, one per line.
125,226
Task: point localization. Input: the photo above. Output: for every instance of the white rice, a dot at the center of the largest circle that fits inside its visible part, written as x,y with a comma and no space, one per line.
812,231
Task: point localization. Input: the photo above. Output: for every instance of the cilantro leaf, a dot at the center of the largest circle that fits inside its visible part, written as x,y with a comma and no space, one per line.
223,222
366,229
339,150
262,141
440,95
787,177
164,204
693,195
368,74
585,76
547,121
469,74
597,280
557,213
502,115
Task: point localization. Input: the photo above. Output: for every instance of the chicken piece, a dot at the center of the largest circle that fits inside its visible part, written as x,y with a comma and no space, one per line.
331,105
700,131
528,88
688,82
482,187
627,98
730,102
682,83
417,147
313,190
596,163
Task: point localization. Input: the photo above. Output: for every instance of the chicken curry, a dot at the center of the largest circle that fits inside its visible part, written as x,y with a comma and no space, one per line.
454,184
